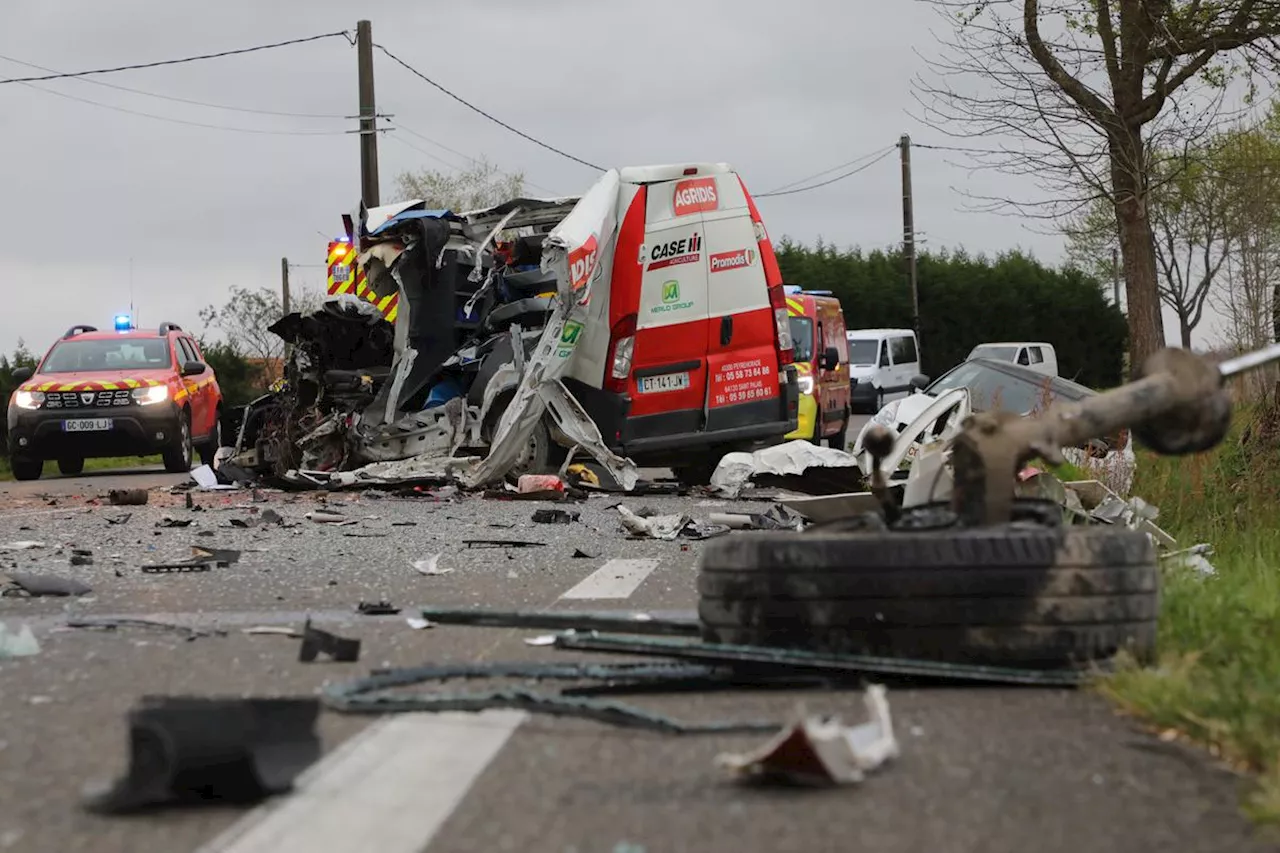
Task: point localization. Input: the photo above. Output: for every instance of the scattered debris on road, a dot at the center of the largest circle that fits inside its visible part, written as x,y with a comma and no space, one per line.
821,752
21,643
128,497
377,608
430,566
316,642
116,622
23,545
684,624
18,583
555,516
211,751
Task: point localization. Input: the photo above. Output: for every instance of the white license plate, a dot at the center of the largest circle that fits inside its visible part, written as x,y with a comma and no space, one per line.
94,425
665,382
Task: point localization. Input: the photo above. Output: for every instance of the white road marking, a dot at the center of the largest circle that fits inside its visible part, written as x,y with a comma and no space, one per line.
389,788
615,579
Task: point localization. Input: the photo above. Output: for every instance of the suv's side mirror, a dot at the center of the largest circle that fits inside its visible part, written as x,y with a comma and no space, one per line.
830,358
919,382
22,374
193,368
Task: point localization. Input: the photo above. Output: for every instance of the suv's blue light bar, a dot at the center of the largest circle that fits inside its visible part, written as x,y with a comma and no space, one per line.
123,322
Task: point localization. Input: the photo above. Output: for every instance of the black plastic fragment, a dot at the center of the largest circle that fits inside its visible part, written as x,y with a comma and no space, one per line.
179,567
315,642
680,624
377,608
190,750
555,516
221,557
501,543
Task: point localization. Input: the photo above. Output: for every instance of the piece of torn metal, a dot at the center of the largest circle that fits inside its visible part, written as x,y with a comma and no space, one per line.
116,622
373,694
821,752
775,518
193,750
766,657
555,516
22,545
316,642
22,583
502,543
220,557
430,566
207,479
678,624
827,508
16,644
1194,559
418,624
664,527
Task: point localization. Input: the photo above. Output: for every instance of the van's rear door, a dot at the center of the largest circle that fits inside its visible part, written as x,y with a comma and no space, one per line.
742,352
670,365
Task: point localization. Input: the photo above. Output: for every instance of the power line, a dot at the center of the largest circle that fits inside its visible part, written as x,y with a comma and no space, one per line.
467,157
850,173
776,190
490,117
344,33
205,125
177,99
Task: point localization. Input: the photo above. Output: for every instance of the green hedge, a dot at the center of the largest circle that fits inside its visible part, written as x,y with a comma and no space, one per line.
965,301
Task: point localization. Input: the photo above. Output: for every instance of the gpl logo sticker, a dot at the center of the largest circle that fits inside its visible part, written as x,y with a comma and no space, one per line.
582,262
569,338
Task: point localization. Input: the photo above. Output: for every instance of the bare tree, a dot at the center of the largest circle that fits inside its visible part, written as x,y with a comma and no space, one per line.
1089,90
483,185
1189,220
247,315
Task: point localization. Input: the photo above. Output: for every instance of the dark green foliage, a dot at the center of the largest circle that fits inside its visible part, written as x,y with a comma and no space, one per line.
966,301
239,379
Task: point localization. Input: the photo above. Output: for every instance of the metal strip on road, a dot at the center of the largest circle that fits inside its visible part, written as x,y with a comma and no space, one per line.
615,579
389,788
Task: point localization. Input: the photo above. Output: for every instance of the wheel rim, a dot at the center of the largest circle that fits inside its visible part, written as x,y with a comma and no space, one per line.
186,441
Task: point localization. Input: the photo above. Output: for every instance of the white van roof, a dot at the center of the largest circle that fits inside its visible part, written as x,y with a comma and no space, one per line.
876,333
670,172
1014,344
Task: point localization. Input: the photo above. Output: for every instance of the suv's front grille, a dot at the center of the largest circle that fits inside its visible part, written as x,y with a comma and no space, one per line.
87,399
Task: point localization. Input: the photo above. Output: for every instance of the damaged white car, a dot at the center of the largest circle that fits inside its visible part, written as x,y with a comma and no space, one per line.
643,323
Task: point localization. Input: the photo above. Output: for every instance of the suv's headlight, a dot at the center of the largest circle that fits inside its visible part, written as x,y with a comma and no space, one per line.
806,384
152,395
29,399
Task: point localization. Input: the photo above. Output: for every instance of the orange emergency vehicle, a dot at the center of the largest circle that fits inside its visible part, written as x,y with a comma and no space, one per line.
822,360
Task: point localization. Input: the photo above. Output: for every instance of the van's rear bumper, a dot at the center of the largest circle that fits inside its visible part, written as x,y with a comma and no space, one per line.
651,438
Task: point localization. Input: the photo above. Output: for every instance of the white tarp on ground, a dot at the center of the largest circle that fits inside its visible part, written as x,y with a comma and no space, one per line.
792,458
580,252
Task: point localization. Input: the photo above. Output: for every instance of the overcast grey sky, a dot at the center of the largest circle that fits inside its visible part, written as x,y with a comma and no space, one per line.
779,92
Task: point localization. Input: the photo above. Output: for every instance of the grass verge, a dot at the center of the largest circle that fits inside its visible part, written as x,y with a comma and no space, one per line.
110,463
1218,678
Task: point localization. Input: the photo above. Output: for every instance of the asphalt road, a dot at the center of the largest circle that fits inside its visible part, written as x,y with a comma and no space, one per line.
91,482
980,770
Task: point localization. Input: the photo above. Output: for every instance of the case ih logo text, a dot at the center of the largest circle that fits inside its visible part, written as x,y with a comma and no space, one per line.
695,196
733,260
582,261
675,252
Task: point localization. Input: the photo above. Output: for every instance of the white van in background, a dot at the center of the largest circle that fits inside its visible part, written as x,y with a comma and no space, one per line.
1037,355
881,365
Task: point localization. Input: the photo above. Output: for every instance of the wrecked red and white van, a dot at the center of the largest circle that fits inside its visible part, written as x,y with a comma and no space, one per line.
643,323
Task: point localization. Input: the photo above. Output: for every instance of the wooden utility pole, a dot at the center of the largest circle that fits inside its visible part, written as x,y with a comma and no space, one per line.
368,116
284,285
909,234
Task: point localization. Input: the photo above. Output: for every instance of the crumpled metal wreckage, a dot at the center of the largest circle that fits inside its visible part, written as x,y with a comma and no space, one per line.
473,364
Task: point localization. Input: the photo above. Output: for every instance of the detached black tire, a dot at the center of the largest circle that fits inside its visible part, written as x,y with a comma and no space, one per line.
177,455
70,467
1037,598
26,467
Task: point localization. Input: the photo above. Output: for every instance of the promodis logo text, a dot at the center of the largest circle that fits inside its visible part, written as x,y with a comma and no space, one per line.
733,260
695,196
675,252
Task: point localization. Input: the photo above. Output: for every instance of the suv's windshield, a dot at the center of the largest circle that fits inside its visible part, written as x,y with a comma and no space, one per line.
123,353
862,351
991,389
802,338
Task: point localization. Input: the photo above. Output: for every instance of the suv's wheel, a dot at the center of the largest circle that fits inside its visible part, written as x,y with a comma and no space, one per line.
177,456
70,467
26,467
1041,597
209,448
